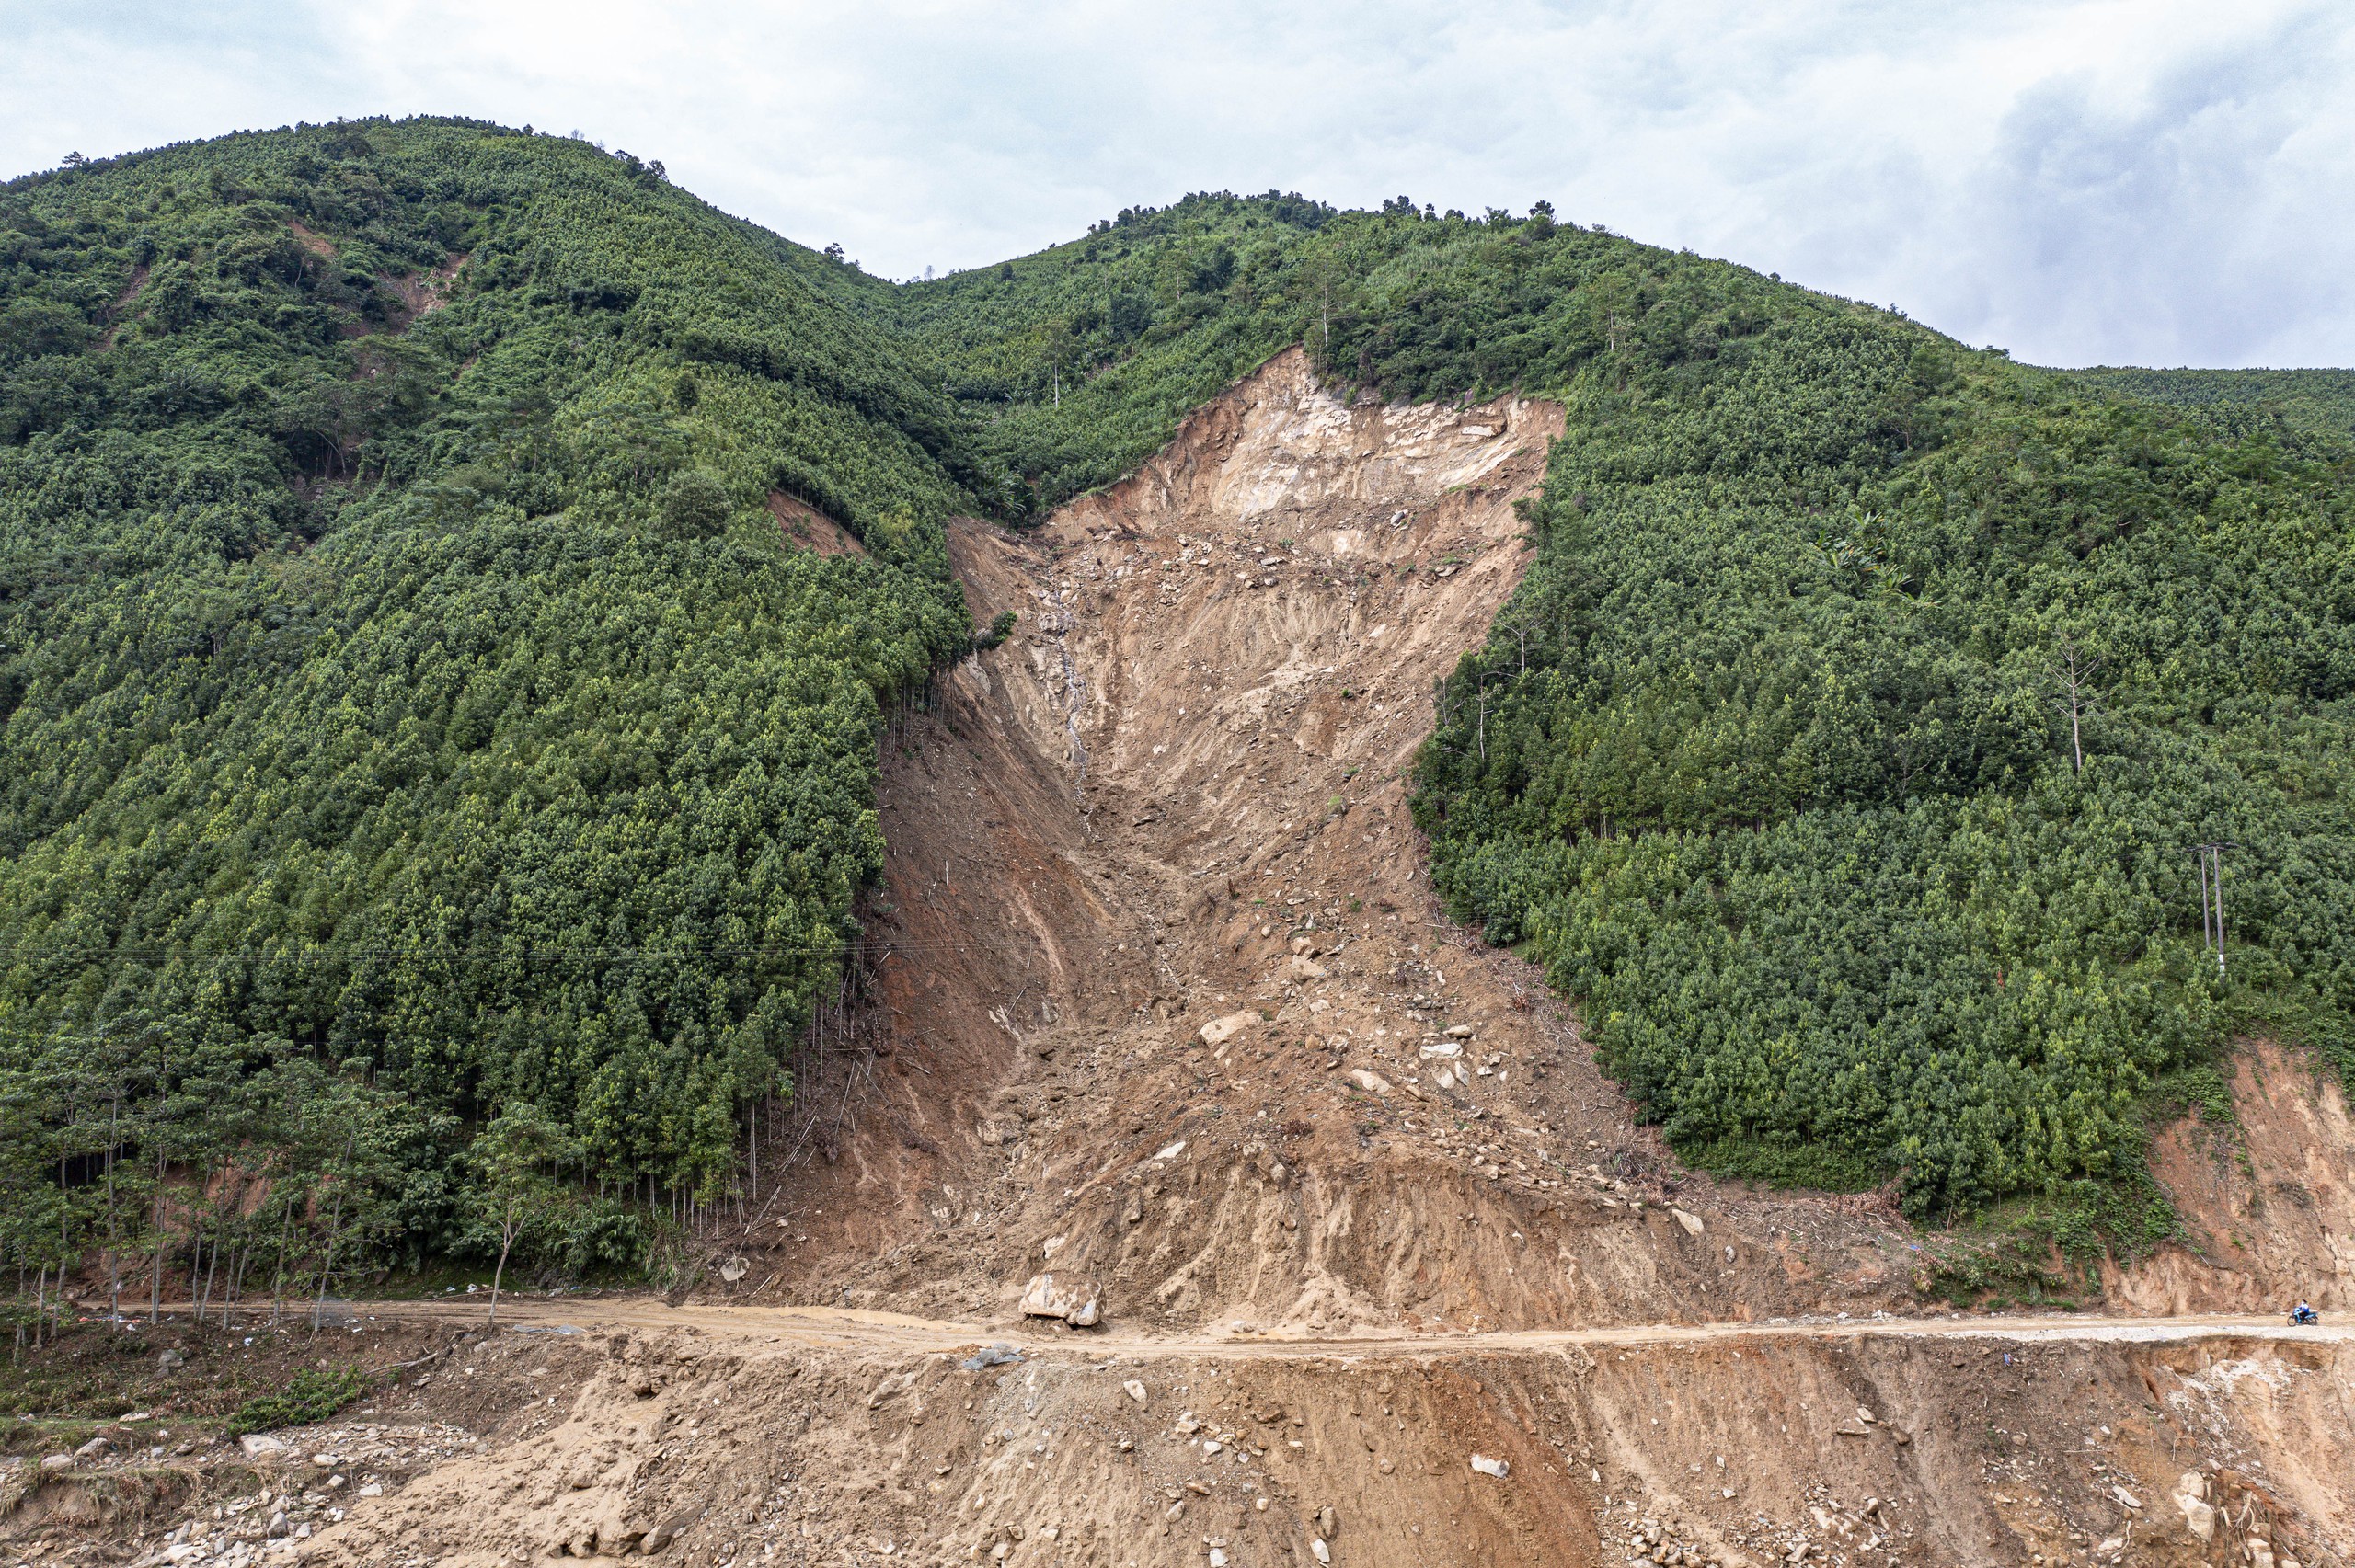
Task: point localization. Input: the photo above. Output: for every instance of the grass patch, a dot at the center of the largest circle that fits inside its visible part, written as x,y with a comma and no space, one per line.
2047,1250
309,1396
1783,1164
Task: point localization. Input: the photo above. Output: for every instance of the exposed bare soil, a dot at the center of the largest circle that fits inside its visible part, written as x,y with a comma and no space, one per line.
420,293
1174,797
317,244
2268,1198
1164,1010
803,526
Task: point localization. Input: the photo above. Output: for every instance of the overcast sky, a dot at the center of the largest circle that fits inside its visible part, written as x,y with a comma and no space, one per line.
2138,181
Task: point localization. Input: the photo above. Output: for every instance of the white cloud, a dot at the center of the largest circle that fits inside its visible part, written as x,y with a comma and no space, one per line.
2129,181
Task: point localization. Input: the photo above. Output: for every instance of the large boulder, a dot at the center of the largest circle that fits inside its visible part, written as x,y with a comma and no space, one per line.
1074,1301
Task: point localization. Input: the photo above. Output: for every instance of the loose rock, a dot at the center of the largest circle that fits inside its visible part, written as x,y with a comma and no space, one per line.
1218,1031
994,1355
1074,1304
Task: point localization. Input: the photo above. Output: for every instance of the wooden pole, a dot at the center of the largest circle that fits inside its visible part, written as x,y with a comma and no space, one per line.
2219,908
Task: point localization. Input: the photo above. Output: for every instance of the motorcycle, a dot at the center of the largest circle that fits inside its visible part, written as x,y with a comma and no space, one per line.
2303,1317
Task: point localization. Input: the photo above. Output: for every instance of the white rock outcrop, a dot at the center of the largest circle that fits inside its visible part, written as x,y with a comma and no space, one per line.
1218,1031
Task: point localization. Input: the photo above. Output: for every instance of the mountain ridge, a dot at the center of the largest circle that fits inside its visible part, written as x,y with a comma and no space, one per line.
424,339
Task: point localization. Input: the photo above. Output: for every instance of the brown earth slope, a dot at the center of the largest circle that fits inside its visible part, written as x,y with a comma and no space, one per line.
2267,1199
1173,800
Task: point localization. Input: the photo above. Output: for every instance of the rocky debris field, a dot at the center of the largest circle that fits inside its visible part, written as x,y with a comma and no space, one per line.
162,1482
1171,1012
302,1492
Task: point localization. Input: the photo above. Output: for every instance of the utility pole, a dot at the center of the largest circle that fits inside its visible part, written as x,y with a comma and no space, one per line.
2211,897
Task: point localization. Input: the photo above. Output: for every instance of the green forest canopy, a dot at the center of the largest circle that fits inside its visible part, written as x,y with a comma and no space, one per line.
2318,400
413,713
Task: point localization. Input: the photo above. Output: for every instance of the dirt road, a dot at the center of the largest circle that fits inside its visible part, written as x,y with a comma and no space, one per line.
897,1334
822,1436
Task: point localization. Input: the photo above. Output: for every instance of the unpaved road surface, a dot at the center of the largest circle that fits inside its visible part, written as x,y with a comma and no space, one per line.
851,1328
730,1435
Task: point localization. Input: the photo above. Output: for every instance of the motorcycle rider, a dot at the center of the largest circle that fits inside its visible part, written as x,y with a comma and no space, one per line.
2302,1313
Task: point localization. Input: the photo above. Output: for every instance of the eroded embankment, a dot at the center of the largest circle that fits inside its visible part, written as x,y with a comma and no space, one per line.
2265,1196
1887,1447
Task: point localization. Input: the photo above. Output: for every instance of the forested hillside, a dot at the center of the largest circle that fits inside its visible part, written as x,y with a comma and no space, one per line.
1848,745
416,720
412,712
1076,364
2321,401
